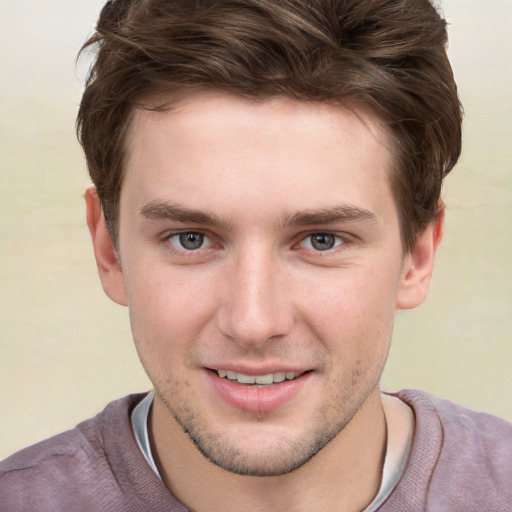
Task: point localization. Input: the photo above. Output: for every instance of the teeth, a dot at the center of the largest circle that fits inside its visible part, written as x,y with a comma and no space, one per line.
264,379
267,379
245,379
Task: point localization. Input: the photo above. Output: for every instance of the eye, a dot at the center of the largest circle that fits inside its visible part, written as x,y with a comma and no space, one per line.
322,241
190,240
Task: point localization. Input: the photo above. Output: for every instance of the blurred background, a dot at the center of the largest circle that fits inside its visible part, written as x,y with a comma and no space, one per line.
66,350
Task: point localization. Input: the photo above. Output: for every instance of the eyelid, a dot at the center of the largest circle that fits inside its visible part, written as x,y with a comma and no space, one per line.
343,238
168,236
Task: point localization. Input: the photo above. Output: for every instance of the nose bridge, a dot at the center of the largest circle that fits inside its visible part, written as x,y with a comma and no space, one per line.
256,307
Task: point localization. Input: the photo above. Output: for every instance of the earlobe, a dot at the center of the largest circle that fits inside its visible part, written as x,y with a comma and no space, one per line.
109,267
419,264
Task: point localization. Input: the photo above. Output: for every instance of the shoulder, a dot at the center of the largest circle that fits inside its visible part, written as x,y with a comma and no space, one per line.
59,472
459,423
466,456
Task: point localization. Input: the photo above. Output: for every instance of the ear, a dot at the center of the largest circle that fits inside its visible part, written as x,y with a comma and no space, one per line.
419,264
109,266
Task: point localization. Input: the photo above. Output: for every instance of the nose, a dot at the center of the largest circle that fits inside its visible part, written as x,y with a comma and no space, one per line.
257,306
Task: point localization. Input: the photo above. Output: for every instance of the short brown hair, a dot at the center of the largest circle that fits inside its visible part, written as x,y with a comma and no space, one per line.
386,54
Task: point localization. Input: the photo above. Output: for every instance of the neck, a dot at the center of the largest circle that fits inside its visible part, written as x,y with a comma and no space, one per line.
345,475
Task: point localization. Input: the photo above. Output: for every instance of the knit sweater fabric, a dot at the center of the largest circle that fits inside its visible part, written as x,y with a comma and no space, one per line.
460,461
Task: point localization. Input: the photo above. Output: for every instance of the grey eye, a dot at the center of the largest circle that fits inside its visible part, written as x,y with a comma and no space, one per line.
191,241
323,241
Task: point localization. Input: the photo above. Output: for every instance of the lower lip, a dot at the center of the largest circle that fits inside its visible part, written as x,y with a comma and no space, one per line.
253,398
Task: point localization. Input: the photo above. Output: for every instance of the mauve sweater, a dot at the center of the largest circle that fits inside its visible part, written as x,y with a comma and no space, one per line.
460,461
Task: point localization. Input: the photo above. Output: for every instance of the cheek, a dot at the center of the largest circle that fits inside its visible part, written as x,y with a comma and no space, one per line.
353,310
167,307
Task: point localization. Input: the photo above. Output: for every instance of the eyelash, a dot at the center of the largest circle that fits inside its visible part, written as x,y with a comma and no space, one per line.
182,250
341,240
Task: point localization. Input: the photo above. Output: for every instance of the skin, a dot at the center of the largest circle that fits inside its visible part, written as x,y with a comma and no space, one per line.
260,183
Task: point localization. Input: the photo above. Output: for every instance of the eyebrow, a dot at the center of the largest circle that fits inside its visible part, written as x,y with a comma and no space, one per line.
342,213
160,210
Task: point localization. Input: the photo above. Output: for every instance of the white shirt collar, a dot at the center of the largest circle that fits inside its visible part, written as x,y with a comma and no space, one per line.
397,450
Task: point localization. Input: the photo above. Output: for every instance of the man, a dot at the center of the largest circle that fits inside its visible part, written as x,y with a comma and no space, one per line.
266,195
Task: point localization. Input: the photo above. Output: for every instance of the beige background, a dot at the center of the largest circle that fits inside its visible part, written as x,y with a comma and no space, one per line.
65,350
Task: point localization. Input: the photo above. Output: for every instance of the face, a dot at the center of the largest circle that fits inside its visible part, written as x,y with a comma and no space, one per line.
262,266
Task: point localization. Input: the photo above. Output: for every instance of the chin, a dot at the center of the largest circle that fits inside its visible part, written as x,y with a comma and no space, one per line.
262,455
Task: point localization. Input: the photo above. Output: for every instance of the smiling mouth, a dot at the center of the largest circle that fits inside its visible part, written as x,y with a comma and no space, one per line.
267,379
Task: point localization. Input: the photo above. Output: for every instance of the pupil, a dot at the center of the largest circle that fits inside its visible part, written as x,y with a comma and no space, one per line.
323,241
191,240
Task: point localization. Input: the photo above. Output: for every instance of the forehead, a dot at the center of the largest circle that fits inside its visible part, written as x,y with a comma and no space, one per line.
214,149
218,109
